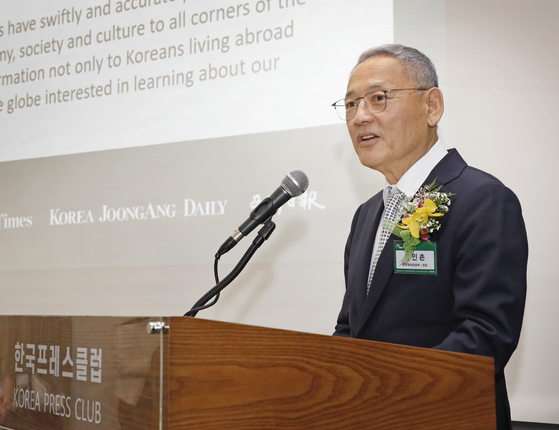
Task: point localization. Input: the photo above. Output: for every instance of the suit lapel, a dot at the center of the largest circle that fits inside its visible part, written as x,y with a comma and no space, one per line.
383,272
372,222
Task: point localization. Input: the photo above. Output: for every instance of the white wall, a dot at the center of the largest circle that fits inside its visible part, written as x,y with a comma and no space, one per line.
498,62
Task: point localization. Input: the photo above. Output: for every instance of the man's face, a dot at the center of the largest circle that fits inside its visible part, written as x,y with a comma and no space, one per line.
400,134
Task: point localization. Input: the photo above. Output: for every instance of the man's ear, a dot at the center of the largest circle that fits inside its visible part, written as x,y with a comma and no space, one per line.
435,106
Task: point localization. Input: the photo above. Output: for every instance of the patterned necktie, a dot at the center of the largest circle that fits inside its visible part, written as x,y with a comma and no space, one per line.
392,204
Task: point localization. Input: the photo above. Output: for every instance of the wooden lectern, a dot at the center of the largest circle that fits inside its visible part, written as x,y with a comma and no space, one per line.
109,373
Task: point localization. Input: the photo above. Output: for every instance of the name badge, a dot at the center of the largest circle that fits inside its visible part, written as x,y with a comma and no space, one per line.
422,262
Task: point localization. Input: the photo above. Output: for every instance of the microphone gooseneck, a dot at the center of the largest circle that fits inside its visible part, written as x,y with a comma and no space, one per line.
294,184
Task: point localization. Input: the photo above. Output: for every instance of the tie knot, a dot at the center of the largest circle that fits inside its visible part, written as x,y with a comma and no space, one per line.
392,203
392,193
392,189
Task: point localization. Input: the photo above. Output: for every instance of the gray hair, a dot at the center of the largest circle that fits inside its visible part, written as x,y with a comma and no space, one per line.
416,65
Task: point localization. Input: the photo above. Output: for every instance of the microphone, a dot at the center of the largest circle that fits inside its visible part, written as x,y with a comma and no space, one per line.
294,184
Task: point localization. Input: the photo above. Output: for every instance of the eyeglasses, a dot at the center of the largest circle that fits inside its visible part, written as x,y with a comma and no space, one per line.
375,102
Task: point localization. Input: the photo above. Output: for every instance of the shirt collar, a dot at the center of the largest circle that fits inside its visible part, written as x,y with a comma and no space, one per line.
410,182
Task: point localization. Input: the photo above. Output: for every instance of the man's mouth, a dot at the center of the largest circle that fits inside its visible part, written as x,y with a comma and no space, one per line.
368,137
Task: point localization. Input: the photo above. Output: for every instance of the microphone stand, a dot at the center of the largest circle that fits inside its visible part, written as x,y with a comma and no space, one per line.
262,235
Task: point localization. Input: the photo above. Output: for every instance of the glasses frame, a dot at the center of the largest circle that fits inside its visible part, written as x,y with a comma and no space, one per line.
335,105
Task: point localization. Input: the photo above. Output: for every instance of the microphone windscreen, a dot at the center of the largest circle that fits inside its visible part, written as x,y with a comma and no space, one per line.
295,183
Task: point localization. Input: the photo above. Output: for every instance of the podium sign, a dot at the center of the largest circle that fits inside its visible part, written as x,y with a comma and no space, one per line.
79,373
109,373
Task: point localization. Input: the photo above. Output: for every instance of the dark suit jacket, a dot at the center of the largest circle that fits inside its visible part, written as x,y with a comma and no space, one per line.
474,304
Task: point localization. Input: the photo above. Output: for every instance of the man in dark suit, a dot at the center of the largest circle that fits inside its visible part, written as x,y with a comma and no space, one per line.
475,302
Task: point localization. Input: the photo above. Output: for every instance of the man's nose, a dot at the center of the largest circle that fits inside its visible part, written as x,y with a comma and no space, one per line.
362,115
